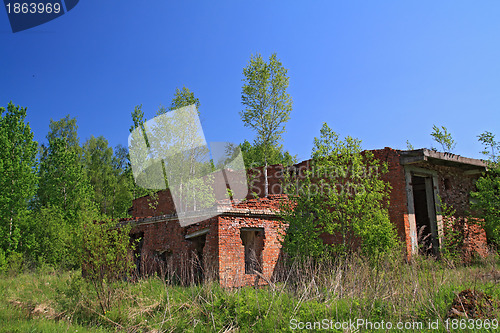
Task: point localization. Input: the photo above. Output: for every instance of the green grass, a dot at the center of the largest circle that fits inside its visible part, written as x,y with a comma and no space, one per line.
51,301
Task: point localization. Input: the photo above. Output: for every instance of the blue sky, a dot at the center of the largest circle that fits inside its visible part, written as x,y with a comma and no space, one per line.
381,71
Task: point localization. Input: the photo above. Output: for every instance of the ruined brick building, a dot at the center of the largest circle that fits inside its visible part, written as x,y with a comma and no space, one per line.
241,245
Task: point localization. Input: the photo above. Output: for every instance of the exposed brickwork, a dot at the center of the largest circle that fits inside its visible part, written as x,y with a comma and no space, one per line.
165,248
471,234
474,240
398,203
167,244
223,253
232,254
455,186
148,206
256,181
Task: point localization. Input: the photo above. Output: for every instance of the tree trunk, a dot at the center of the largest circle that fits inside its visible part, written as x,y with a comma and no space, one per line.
266,182
10,233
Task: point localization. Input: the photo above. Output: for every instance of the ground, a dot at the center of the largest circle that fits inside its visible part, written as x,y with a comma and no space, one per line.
391,290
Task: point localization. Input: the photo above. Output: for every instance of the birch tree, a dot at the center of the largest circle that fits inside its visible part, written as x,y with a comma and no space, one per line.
18,167
267,103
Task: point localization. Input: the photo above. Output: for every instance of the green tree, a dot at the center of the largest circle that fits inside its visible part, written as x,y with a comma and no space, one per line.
491,146
98,163
409,146
50,238
125,181
343,195
63,182
138,120
191,156
267,104
188,156
486,198
253,155
107,258
443,137
64,128
64,190
107,175
18,173
182,97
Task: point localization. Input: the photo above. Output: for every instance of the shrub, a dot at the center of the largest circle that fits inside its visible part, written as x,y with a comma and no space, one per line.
106,258
341,196
486,200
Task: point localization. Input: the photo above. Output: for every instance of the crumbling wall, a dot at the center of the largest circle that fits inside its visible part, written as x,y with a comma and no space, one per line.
153,206
398,202
224,250
469,233
232,251
166,251
231,246
256,180
455,185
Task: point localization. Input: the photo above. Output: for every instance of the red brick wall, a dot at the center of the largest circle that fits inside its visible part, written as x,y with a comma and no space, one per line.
474,240
224,250
455,186
256,180
144,206
232,255
224,238
398,202
471,234
170,237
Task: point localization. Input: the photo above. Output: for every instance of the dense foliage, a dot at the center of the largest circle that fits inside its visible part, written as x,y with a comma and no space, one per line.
344,177
52,190
254,155
52,193
107,259
486,200
267,109
18,175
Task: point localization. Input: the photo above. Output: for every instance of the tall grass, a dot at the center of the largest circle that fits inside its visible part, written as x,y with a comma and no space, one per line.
339,290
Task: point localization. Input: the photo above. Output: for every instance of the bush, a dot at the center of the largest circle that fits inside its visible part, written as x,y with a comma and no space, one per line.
452,242
341,197
15,263
486,200
52,239
3,261
106,258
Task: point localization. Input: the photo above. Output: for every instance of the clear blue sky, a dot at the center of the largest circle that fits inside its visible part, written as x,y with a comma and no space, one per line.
382,71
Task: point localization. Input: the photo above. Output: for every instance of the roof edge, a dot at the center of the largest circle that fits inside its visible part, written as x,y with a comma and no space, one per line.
424,154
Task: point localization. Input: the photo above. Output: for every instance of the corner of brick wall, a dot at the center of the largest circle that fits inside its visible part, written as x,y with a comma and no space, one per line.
398,202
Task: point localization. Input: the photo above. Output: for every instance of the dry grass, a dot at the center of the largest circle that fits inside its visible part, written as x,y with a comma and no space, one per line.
389,290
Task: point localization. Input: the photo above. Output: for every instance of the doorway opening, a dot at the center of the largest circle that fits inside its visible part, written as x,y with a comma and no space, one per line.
137,240
197,259
253,242
425,214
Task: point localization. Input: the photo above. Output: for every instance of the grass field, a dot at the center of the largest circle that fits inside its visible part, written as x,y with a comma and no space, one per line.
48,300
